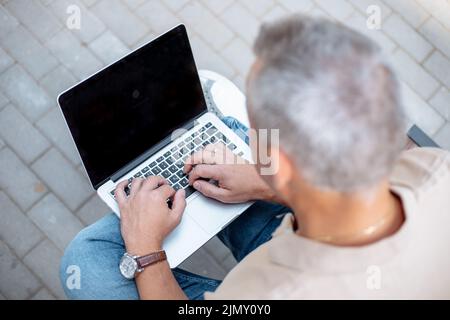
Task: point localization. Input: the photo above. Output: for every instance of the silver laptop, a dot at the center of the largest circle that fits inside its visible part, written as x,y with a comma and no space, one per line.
123,120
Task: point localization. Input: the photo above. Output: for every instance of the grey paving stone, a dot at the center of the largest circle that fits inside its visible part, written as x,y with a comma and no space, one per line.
413,74
359,22
20,88
202,263
441,102
21,135
7,22
5,60
3,101
90,26
241,21
55,220
176,5
58,81
18,181
202,21
43,294
90,3
133,4
362,5
35,17
108,47
207,58
45,260
439,66
27,51
437,34
16,281
55,129
420,112
62,178
128,28
157,16
2,144
275,13
411,41
239,54
216,6
239,81
82,171
16,229
93,210
442,137
146,39
68,49
258,7
46,2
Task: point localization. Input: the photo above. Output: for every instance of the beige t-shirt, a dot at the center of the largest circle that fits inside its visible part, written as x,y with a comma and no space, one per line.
414,263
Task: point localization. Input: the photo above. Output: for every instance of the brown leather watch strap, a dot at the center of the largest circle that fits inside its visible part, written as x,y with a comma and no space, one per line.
151,258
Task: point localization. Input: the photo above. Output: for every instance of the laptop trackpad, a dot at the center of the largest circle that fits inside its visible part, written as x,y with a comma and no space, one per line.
212,215
184,240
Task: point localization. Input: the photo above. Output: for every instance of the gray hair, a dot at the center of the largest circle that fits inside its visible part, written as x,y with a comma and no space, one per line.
334,99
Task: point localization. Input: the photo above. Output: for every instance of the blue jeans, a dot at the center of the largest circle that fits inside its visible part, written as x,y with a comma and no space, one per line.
96,251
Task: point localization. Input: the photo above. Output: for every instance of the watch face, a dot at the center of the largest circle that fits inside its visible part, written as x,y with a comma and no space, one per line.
128,266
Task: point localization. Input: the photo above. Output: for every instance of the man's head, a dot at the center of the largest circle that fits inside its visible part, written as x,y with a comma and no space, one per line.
334,100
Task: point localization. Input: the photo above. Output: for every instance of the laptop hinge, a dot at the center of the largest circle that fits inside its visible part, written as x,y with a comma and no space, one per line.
142,158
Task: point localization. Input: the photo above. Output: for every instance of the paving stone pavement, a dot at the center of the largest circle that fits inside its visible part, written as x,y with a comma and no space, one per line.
45,198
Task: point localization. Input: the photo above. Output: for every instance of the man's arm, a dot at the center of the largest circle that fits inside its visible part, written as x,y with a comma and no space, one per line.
236,180
145,222
157,282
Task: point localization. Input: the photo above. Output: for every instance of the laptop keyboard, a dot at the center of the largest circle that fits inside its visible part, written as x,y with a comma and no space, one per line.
170,165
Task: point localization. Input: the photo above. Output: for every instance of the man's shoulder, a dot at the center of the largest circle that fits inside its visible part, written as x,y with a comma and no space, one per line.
421,170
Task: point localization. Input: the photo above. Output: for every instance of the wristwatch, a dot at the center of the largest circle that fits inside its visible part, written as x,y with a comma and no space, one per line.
131,265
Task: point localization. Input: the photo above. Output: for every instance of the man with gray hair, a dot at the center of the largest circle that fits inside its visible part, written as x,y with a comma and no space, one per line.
346,215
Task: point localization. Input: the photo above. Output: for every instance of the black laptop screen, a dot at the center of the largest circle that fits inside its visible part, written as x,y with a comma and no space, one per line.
122,111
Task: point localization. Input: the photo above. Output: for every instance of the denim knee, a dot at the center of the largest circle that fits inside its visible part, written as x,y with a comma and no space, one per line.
89,268
72,266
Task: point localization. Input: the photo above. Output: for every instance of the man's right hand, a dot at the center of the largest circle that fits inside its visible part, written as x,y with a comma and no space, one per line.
236,180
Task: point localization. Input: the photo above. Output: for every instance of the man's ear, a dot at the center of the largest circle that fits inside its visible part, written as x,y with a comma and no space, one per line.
285,173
